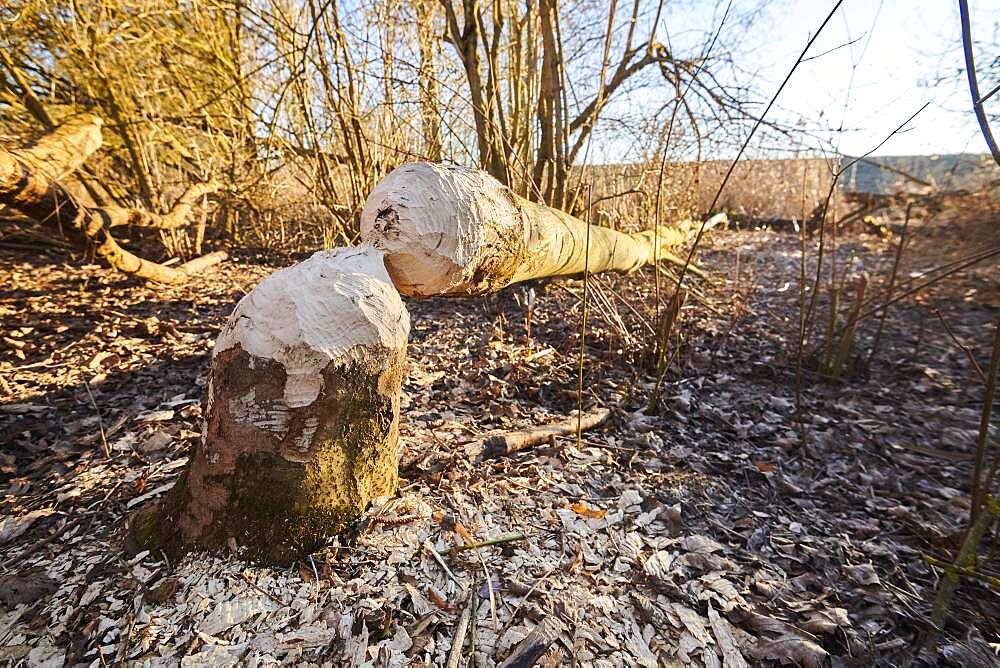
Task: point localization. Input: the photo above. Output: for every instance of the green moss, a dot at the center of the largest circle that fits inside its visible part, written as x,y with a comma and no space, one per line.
273,514
152,527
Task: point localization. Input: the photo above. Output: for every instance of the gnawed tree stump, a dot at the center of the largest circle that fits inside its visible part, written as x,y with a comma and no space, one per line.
301,414
457,231
29,183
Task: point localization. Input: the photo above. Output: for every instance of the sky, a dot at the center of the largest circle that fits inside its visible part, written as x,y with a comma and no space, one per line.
881,58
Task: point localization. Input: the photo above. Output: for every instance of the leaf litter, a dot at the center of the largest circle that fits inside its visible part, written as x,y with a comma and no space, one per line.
706,534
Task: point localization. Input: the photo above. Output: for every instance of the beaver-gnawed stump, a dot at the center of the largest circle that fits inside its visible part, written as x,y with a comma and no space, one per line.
301,424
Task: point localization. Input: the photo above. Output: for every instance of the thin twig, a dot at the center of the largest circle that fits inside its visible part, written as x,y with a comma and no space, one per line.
978,489
281,604
746,142
500,540
963,571
892,283
966,555
437,558
100,421
455,656
698,295
666,144
973,260
965,348
583,324
527,595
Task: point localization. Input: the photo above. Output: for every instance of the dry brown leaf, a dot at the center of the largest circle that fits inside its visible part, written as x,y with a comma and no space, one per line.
827,621
163,591
577,560
583,510
464,533
103,359
156,441
863,574
731,656
17,589
791,650
700,544
437,599
13,526
694,623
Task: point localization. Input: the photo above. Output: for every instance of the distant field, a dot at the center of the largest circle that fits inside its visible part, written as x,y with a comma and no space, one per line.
767,189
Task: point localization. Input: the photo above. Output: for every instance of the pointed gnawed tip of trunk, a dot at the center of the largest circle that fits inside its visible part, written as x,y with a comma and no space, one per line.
445,229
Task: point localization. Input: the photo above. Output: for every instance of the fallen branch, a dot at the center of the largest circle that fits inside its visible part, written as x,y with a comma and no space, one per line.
504,444
202,263
177,217
29,184
63,150
530,650
461,629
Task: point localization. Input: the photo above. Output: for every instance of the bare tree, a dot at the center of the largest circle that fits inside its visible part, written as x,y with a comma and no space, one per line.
531,121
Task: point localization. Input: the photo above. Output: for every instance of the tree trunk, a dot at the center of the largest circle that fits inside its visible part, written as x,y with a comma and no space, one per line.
489,139
548,169
456,231
61,152
427,73
29,183
301,414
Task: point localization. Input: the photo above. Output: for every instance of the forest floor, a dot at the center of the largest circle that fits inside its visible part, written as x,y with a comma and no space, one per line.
725,528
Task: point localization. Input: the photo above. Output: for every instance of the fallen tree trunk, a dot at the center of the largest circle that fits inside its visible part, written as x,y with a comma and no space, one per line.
28,180
29,184
457,231
62,151
301,414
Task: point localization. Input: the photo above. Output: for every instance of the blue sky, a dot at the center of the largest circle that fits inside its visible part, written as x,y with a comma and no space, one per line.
882,61
886,75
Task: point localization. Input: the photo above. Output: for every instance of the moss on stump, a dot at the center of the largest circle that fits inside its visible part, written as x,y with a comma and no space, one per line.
278,480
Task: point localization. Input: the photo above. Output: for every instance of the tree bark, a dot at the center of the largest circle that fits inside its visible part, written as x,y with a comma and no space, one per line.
465,38
535,644
29,183
302,414
178,216
549,172
456,231
427,73
28,177
503,444
62,151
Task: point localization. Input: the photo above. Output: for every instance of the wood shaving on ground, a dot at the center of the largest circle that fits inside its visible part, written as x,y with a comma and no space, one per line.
706,533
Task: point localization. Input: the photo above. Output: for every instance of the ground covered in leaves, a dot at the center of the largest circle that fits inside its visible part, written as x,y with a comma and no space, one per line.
721,526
